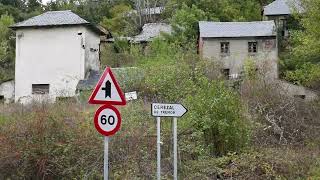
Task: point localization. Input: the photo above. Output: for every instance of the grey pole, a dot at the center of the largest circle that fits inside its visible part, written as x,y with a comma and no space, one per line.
106,156
158,150
175,149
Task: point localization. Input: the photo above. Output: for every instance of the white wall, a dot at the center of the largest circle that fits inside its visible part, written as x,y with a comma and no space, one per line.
7,90
52,56
92,51
266,57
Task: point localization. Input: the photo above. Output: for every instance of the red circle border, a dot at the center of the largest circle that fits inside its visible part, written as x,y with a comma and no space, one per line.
96,120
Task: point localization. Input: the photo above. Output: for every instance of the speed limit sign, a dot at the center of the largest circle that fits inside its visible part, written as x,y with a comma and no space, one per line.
107,120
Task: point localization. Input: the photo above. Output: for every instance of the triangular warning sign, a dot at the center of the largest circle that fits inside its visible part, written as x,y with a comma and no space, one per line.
107,91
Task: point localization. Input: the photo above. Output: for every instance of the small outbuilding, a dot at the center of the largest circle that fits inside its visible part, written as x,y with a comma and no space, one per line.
151,31
54,51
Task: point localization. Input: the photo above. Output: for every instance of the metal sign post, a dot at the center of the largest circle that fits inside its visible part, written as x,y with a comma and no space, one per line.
175,149
158,149
168,110
106,158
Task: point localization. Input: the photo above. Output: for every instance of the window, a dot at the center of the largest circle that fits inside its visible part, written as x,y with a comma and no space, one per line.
1,99
300,96
252,47
40,88
226,73
224,47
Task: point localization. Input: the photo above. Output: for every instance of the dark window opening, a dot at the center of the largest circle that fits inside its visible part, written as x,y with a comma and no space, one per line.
252,47
40,88
1,99
226,73
66,99
225,47
300,96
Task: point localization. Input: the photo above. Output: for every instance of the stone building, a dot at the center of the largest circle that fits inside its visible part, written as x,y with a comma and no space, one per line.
231,44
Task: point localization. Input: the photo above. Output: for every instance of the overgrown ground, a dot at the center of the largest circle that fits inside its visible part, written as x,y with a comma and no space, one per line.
239,130
59,141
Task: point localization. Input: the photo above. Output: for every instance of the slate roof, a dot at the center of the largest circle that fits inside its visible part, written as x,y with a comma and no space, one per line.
152,30
282,7
56,18
237,29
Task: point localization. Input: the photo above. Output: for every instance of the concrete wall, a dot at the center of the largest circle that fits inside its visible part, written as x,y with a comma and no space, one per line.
296,91
56,56
92,61
7,90
266,57
281,24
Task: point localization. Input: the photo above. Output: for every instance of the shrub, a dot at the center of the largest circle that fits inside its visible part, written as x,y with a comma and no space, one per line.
280,118
308,75
217,113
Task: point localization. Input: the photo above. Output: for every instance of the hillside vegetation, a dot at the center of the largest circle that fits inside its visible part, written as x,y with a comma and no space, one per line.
230,132
246,129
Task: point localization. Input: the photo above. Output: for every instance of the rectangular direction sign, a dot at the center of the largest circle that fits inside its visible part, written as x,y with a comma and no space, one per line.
167,110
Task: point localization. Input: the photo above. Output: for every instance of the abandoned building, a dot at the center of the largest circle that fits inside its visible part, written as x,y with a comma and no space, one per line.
231,44
280,11
53,52
151,31
148,33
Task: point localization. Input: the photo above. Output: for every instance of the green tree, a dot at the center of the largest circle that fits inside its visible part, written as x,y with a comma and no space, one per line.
121,22
185,24
34,5
6,48
303,61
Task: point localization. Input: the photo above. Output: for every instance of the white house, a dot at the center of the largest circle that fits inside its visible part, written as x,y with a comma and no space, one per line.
53,52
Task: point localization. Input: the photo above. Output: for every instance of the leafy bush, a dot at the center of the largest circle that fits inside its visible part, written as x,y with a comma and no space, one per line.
6,48
117,55
130,79
308,75
218,114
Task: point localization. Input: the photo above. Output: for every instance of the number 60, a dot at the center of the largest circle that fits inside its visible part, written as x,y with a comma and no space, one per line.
111,120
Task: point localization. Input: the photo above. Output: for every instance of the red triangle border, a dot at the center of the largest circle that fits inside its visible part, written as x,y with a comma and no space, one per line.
98,86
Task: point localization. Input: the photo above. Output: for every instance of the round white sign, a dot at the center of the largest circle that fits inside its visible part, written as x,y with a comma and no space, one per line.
107,120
